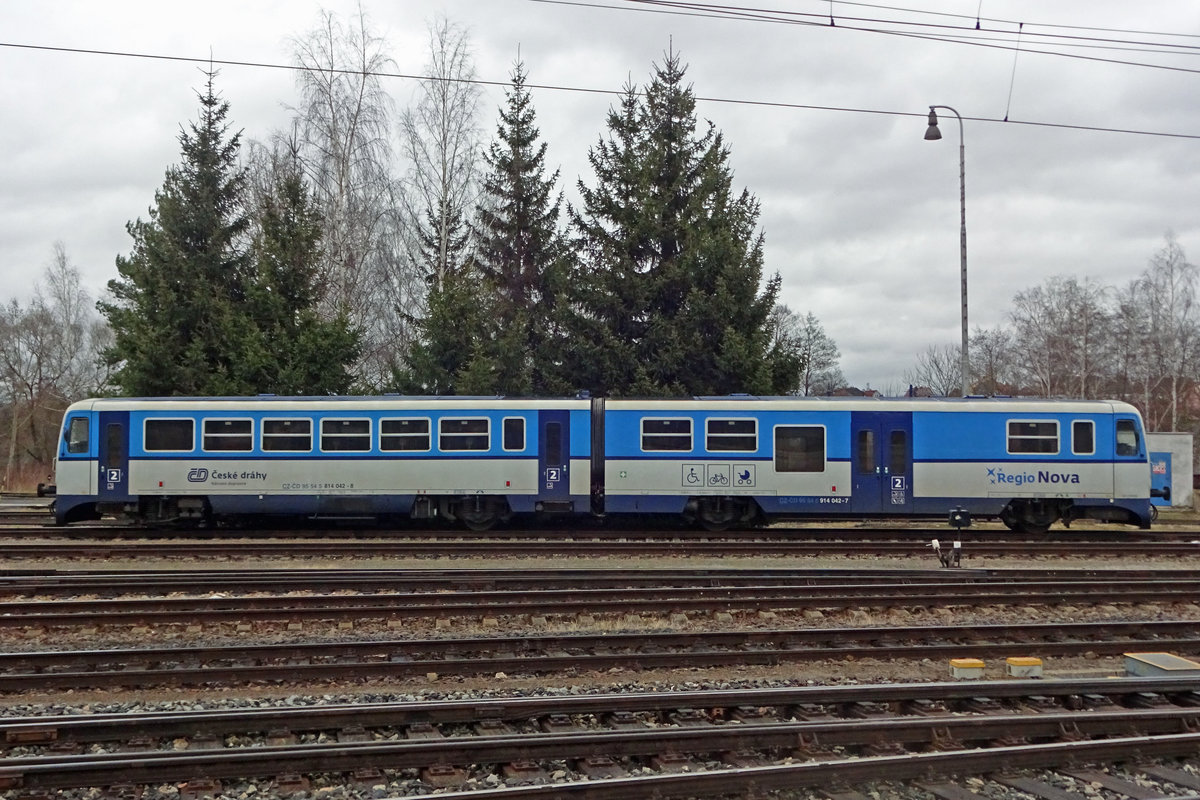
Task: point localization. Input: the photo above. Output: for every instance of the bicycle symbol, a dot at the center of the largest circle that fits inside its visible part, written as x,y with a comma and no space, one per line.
718,479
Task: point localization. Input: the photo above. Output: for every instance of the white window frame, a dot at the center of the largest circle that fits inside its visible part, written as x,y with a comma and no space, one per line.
204,434
752,420
146,441
691,434
428,434
368,434
1092,425
1008,437
263,435
524,434
486,433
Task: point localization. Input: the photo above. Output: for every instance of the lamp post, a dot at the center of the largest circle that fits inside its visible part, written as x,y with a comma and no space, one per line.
932,133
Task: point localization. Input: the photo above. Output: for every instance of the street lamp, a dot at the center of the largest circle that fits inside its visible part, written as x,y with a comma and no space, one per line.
933,133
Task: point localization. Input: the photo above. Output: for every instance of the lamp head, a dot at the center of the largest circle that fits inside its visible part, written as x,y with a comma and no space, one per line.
932,133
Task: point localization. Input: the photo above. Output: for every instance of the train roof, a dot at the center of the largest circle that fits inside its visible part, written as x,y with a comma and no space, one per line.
702,401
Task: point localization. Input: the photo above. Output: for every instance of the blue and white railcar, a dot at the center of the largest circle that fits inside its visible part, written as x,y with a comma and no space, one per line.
735,459
476,460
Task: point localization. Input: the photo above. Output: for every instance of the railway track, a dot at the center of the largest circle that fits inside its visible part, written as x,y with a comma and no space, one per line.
566,654
697,743
22,549
213,600
31,524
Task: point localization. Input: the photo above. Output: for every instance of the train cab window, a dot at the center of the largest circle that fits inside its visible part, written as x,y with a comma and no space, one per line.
228,435
287,435
174,435
731,435
1033,436
404,435
77,435
514,433
458,435
1083,437
799,448
866,452
345,435
1127,438
898,453
667,435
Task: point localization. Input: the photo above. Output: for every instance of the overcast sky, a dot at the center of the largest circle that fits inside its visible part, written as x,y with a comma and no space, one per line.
825,124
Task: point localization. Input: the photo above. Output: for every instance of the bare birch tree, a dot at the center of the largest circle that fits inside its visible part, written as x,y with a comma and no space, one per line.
344,137
49,357
1174,323
442,143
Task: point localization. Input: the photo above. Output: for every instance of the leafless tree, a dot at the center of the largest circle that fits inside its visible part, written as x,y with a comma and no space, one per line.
343,135
441,141
819,370
1174,324
992,368
820,374
940,369
49,357
1061,334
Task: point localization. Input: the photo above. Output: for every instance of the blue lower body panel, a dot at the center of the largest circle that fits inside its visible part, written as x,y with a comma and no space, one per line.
311,505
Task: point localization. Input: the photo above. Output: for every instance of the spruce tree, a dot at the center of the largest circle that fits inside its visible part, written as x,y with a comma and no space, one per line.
520,249
214,300
671,292
177,310
450,356
293,350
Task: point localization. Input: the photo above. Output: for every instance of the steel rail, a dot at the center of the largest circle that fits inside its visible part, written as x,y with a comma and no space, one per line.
580,600
542,654
28,582
75,771
570,547
780,532
1069,693
752,781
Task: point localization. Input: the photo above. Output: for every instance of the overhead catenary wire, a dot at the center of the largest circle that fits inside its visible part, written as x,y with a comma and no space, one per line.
952,34
971,23
211,62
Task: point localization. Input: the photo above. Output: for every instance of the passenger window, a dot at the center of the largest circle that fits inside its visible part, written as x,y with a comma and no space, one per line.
674,435
1083,437
169,435
731,435
287,435
1127,438
228,435
799,449
1033,436
77,435
514,433
866,452
346,435
898,453
407,435
456,435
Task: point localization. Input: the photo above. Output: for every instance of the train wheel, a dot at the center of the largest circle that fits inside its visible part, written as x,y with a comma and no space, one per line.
720,513
481,513
1033,518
